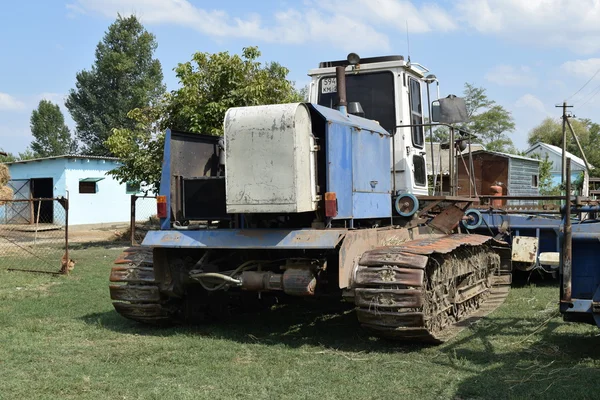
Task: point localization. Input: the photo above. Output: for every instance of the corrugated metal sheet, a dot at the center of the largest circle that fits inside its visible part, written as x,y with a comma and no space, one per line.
75,156
521,174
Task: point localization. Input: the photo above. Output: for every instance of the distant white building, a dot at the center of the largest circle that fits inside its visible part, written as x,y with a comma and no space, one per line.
95,197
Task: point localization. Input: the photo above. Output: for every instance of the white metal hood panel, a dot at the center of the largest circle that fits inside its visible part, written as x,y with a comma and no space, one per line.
269,159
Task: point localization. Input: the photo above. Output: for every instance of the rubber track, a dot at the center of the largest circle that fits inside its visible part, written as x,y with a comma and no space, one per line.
134,291
428,290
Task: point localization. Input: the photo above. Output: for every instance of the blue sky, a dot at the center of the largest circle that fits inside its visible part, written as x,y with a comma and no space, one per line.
529,55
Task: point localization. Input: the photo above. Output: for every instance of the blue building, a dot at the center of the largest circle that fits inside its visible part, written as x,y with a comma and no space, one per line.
95,197
554,154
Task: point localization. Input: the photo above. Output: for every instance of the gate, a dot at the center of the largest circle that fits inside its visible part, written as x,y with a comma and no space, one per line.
34,233
143,218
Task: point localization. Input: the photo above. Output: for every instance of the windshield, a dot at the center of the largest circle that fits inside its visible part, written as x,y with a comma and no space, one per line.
374,92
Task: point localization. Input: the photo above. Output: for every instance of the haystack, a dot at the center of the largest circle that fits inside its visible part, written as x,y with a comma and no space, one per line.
4,175
6,193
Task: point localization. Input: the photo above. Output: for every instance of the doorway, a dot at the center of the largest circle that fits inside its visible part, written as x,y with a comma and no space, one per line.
43,211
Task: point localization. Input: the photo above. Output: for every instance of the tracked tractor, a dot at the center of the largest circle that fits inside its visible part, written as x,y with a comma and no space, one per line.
325,199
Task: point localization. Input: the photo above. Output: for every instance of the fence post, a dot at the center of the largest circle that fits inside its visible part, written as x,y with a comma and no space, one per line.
66,207
132,220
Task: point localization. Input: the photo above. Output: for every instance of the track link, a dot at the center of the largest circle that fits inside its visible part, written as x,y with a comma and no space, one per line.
428,290
135,292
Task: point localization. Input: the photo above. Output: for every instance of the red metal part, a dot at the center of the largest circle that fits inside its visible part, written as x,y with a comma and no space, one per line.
161,206
331,209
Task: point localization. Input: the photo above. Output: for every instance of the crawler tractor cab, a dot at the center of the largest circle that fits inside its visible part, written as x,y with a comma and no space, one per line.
387,90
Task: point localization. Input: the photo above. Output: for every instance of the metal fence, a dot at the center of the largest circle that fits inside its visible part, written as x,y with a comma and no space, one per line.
143,218
34,235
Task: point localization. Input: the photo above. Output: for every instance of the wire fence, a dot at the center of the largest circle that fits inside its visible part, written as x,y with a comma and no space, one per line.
143,218
34,235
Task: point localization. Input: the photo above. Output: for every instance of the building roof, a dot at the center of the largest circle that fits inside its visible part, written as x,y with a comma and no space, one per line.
67,156
506,155
445,166
558,151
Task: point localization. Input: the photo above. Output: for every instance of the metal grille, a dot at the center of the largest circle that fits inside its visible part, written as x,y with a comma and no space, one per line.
34,235
143,218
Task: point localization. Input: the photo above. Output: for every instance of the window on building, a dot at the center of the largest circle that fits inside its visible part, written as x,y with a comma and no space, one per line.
420,172
416,112
89,185
132,188
534,181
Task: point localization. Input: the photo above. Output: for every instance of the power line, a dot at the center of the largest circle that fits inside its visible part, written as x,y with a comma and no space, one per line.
585,84
593,94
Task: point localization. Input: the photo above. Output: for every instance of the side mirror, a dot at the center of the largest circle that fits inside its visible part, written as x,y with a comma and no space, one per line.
449,110
355,108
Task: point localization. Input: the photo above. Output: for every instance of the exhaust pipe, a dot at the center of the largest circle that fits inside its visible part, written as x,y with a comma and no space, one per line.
340,77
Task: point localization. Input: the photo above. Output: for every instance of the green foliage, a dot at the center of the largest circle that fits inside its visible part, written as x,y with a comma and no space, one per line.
488,120
9,157
51,137
141,149
588,132
213,83
210,85
550,131
545,177
124,77
28,154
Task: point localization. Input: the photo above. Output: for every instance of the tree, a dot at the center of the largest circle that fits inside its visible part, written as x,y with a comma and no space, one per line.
210,85
51,137
124,77
9,157
213,83
550,131
28,154
545,177
488,120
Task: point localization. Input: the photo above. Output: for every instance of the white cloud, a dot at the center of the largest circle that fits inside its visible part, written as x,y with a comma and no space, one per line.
347,24
508,75
533,103
9,103
394,13
582,68
549,23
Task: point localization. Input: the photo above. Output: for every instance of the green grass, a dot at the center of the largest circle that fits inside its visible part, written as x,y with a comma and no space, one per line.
61,339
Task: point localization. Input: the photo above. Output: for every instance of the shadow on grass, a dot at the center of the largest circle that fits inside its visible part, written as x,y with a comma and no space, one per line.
330,324
103,244
526,358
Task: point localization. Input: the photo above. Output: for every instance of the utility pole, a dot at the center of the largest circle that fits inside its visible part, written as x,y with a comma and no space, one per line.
563,172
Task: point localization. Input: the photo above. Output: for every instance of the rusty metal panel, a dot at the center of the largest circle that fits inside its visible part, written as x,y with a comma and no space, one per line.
448,219
524,249
134,293
443,244
392,256
377,298
354,245
488,169
135,255
391,319
389,275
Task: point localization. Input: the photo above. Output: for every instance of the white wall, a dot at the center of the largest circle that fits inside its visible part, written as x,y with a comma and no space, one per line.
110,203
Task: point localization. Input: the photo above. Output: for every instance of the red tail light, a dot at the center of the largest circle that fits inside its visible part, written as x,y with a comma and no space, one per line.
161,206
331,209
